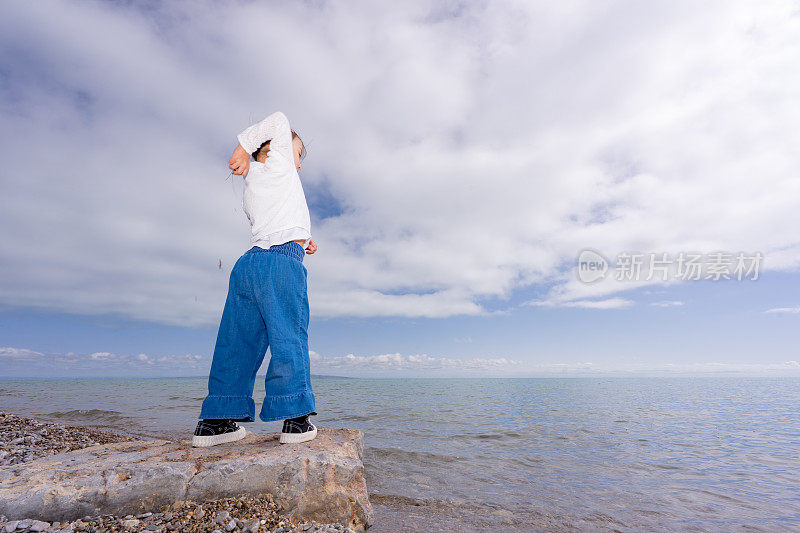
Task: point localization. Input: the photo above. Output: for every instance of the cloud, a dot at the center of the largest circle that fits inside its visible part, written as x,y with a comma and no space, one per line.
608,303
549,128
423,365
21,362
399,364
787,368
24,362
668,303
784,310
19,353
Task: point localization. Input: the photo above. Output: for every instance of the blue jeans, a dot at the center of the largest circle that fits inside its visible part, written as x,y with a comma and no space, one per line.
267,306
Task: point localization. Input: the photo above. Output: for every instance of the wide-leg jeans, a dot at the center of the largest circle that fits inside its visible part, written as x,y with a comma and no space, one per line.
266,307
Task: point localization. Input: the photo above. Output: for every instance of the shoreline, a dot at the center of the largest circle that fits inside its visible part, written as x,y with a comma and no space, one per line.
24,439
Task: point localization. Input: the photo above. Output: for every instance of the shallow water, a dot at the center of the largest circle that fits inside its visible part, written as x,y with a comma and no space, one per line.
627,454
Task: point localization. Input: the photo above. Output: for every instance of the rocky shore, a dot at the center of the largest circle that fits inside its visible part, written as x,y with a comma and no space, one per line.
24,439
239,514
29,447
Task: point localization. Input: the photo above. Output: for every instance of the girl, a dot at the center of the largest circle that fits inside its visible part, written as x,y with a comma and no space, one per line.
267,303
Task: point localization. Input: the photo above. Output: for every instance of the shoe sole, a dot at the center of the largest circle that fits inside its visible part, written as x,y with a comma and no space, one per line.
294,438
213,440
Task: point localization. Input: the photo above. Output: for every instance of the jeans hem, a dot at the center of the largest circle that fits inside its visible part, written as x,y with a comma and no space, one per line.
289,406
234,407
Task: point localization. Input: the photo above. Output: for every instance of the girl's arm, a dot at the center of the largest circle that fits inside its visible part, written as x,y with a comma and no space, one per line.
275,128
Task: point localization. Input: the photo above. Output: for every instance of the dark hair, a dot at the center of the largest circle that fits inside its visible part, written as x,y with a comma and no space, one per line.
266,144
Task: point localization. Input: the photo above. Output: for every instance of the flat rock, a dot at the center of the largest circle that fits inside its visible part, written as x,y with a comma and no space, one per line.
320,480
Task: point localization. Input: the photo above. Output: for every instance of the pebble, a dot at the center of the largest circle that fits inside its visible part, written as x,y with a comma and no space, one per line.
24,439
243,513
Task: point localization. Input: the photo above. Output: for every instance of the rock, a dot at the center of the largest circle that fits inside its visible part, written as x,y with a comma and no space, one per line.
24,524
320,480
38,525
130,522
10,526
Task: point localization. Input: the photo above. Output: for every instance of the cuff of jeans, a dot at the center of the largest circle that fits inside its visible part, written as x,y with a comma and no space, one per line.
291,406
241,408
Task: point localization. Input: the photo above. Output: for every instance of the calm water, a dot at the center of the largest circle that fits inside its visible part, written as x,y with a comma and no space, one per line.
688,454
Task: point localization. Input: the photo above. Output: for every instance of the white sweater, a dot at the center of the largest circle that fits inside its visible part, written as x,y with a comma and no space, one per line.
273,198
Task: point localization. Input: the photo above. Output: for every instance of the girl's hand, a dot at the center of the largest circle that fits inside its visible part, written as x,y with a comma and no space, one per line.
240,161
312,247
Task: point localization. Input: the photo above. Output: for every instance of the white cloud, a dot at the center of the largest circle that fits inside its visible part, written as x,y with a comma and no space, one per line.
547,128
396,364
24,362
400,364
19,353
784,310
787,368
608,303
668,303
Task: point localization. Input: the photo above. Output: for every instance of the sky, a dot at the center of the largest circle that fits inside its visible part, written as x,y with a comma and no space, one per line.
461,157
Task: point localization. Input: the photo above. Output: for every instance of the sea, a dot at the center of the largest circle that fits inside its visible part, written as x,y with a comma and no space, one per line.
539,454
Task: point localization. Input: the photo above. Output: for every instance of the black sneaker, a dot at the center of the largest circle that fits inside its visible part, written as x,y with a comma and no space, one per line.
212,432
297,430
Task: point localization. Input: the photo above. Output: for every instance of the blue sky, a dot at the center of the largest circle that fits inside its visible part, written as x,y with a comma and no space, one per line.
460,158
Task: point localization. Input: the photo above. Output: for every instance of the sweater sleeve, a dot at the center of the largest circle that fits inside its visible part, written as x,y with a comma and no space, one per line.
275,128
